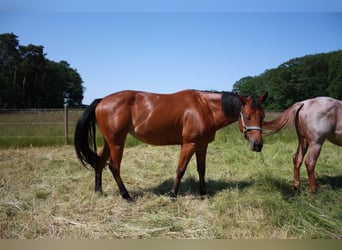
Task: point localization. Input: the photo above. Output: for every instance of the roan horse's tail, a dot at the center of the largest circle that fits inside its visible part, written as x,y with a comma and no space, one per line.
85,135
287,118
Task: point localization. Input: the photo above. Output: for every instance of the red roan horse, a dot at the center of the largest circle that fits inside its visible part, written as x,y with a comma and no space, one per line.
315,120
189,118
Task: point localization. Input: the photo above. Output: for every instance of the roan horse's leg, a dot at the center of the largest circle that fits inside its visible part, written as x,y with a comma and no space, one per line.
298,159
200,158
310,162
184,158
116,152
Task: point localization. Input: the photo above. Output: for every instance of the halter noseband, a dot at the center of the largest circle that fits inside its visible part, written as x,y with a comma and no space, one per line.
247,128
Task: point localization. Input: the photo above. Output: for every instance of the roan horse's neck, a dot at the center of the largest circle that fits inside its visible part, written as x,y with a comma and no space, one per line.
220,117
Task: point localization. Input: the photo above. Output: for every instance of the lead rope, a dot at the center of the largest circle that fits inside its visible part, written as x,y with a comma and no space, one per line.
262,158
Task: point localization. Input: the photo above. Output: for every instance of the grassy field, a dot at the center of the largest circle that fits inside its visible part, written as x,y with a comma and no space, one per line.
46,193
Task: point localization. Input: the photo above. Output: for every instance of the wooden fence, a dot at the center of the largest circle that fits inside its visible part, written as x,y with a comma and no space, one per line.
38,123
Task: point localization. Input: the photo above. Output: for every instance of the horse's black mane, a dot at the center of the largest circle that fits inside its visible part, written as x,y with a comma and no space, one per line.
231,104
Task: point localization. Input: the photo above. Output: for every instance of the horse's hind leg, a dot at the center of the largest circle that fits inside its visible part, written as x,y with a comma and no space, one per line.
310,162
100,164
116,152
298,159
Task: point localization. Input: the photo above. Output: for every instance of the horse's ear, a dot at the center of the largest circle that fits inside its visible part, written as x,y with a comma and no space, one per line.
242,99
263,97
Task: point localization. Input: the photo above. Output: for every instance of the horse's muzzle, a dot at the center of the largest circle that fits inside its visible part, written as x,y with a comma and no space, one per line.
256,146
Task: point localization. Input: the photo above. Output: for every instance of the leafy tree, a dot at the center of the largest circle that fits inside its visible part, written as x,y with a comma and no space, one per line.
29,80
335,76
296,80
248,85
9,60
73,90
30,87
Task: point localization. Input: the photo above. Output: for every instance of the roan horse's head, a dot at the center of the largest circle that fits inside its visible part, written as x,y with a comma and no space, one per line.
251,119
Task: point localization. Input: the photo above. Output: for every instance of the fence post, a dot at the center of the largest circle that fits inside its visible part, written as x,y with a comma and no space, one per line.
66,124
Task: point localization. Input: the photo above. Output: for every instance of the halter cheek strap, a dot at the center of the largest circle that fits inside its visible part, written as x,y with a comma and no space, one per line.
247,128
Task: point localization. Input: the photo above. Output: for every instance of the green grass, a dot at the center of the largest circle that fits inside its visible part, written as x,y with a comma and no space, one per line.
45,193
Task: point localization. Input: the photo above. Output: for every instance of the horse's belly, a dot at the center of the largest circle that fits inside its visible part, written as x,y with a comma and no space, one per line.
336,139
155,137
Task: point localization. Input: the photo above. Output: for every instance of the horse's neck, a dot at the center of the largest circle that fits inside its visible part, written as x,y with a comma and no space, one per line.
214,101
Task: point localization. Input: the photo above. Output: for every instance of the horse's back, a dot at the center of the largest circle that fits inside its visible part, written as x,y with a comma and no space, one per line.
322,116
151,117
321,107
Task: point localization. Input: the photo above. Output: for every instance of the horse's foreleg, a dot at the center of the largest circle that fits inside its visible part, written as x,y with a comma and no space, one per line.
200,158
297,161
185,156
310,162
114,166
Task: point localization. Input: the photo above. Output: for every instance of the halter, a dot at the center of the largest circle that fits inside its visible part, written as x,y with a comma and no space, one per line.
247,128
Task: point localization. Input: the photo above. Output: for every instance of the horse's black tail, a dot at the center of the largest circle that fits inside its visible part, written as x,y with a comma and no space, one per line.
85,135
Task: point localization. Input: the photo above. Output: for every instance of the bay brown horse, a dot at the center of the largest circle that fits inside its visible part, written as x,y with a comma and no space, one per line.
189,118
315,120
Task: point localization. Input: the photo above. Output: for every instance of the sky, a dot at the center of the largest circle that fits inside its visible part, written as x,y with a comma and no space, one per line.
144,45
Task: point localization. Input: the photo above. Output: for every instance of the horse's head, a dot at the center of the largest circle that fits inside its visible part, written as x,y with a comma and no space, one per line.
250,120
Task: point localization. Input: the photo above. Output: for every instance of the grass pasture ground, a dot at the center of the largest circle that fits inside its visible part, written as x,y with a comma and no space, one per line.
46,193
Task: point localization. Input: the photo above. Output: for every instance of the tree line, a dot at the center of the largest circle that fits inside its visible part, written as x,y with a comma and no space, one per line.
29,80
296,80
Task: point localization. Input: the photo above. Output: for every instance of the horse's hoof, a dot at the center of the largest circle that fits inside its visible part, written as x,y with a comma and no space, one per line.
172,194
127,197
98,191
203,192
297,190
